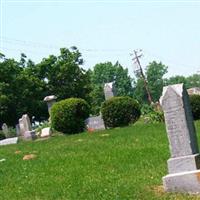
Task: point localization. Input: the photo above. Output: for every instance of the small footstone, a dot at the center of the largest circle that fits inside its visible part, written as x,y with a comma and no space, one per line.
45,132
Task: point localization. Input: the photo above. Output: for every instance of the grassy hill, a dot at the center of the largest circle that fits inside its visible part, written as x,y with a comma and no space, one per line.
118,164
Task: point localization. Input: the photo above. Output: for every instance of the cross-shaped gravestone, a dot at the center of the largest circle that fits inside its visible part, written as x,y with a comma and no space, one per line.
184,164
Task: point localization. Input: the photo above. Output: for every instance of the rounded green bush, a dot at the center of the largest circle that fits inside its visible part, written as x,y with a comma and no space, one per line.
195,105
120,111
68,116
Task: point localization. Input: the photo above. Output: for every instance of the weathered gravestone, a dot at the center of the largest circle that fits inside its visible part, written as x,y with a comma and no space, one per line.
50,101
5,129
109,90
95,123
25,128
184,164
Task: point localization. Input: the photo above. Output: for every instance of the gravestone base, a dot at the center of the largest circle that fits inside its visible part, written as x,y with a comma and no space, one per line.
184,163
184,182
29,135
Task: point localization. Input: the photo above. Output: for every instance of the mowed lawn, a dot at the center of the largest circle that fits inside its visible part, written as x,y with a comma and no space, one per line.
118,164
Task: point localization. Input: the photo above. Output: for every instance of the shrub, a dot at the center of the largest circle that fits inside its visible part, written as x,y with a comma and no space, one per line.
195,105
2,135
11,132
42,125
146,109
154,117
120,111
68,116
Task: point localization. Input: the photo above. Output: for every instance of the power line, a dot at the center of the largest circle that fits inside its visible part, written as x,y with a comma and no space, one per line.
51,46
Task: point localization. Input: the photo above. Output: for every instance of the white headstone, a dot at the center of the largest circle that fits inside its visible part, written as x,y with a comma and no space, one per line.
25,127
45,132
109,90
184,163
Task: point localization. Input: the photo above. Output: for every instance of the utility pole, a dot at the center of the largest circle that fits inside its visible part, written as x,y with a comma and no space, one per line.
140,70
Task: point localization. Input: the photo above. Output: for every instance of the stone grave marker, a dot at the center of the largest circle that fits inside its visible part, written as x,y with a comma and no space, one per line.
5,129
50,101
25,128
109,90
17,129
95,123
9,141
184,164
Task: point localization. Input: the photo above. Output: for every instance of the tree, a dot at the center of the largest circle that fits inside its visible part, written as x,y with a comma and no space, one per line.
175,80
193,81
107,72
154,73
20,91
63,75
9,70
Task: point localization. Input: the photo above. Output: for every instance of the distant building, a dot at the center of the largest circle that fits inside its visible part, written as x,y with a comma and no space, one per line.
194,90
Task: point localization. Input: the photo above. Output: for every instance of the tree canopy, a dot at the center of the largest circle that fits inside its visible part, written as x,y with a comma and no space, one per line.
107,72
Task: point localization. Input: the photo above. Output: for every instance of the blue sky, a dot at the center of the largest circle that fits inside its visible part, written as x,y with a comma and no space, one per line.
167,31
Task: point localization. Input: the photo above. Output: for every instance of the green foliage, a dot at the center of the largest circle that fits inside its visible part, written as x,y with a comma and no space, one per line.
44,124
120,111
193,81
68,115
118,164
195,105
23,84
107,72
11,132
2,135
63,75
154,117
175,80
154,73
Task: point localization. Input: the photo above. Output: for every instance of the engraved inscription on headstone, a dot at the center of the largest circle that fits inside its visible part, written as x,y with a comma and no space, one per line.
184,163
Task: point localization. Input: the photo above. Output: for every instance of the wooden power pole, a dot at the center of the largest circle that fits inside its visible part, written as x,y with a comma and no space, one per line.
140,70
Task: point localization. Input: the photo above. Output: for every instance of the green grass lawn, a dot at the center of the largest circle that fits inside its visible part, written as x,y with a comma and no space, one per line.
118,164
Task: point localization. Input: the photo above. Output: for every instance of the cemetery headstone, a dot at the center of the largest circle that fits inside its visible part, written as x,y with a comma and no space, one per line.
184,164
46,132
5,129
50,101
95,123
109,90
17,129
25,128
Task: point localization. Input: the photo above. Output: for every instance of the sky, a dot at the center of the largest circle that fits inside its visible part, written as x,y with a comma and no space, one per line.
166,31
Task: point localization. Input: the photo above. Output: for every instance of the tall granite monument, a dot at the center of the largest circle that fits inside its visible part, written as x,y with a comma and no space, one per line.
184,164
